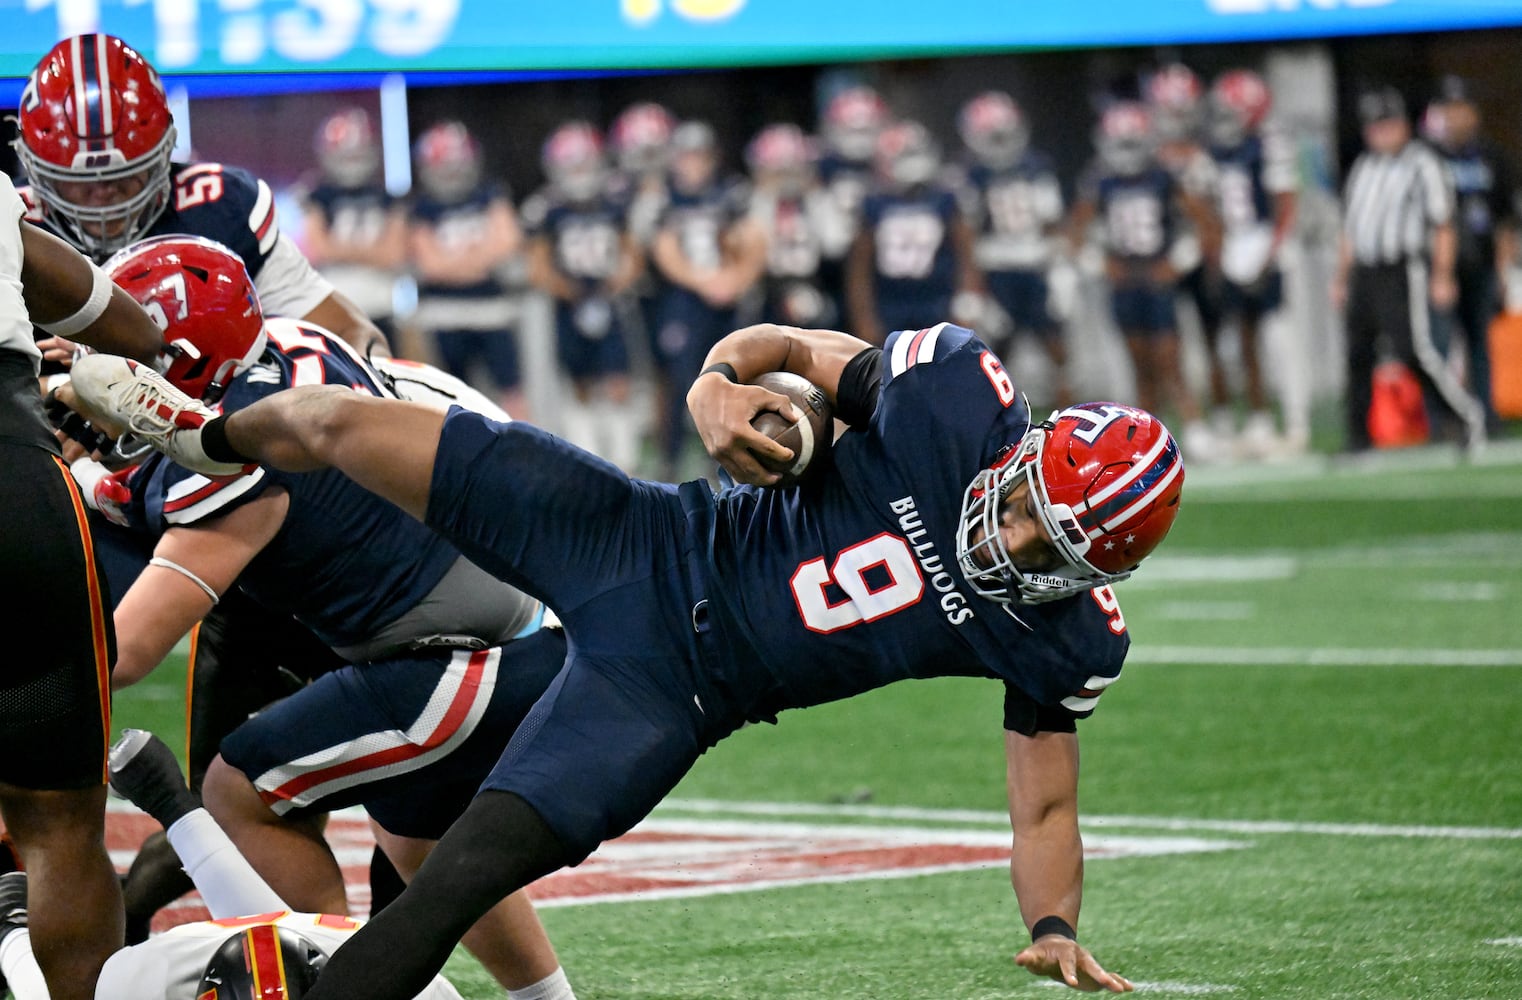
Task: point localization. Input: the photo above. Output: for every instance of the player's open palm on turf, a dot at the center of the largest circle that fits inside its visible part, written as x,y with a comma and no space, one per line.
1067,961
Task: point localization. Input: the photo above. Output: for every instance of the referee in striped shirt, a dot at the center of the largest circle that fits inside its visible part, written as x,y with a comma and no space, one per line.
1397,264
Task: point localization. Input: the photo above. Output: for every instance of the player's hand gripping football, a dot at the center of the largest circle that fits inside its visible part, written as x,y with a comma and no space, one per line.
1067,961
722,411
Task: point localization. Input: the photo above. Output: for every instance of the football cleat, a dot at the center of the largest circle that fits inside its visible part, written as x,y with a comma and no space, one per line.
140,400
144,771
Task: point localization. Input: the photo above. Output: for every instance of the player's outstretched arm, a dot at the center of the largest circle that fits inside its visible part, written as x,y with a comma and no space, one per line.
69,296
723,408
1046,859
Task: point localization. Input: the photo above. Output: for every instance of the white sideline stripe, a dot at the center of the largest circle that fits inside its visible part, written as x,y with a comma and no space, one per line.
743,808
730,888
1183,989
1297,656
1505,942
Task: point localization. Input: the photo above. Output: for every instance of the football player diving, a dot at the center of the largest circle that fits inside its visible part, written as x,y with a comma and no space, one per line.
952,536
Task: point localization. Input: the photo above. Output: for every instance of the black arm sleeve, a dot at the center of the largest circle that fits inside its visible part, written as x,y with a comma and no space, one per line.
860,386
1024,716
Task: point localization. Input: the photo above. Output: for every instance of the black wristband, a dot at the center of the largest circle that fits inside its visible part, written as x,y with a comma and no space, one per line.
723,368
1053,925
214,442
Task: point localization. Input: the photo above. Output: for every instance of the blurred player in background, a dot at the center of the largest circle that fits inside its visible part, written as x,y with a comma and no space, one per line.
950,536
582,254
1175,100
1014,198
55,700
462,233
848,131
356,230
794,212
1141,208
711,254
914,249
1485,222
1255,189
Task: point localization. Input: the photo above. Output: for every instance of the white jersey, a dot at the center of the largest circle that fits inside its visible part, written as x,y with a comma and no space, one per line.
169,965
15,327
420,383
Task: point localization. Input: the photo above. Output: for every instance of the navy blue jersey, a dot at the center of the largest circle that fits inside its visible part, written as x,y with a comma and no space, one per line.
457,225
1013,208
1136,210
794,227
700,218
913,258
220,202
336,533
848,182
585,238
1482,192
1246,183
853,583
353,215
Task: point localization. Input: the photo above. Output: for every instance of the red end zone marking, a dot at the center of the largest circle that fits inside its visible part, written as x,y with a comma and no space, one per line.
666,858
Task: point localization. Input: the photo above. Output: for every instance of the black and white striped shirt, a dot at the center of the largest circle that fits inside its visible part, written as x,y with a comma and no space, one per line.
1392,203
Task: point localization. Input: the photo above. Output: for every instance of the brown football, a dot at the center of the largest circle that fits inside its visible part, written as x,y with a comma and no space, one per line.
809,438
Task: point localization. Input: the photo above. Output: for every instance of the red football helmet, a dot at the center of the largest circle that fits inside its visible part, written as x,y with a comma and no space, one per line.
448,161
1124,137
200,295
1239,102
639,136
852,120
574,162
262,962
1105,480
994,128
347,148
907,154
780,148
1174,93
94,119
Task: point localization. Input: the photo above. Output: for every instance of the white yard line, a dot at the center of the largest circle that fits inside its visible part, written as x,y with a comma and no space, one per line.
1305,656
916,813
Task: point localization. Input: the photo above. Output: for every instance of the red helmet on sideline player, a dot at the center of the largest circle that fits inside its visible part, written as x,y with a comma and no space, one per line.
94,135
993,127
200,295
1105,481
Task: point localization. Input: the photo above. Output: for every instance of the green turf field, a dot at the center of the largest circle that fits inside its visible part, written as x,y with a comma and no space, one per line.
1325,683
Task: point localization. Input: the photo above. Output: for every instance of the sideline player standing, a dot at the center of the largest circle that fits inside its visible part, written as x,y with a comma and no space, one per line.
951,537
54,691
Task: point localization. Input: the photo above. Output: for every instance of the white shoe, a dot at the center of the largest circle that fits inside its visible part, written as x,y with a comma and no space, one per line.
138,398
1200,444
1259,438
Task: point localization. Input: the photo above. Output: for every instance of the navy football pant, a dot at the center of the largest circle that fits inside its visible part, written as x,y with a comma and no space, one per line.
636,704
